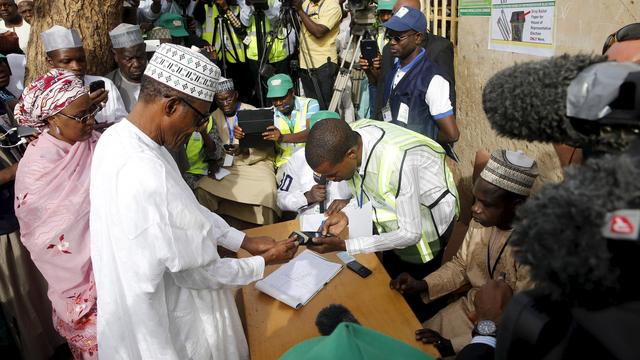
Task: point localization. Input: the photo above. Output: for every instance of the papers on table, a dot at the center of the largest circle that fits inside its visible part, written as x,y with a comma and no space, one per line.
299,280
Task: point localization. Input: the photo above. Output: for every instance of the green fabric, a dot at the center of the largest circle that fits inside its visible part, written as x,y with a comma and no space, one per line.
386,5
279,85
174,23
321,115
351,341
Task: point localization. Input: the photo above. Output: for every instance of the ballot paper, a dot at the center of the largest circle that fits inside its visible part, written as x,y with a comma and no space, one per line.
221,173
311,222
299,280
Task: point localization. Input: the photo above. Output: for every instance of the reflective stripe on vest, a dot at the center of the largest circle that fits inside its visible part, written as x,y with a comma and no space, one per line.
381,183
278,51
209,29
197,162
285,150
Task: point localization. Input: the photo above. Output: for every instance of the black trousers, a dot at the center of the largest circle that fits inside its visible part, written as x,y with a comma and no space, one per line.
396,266
280,67
325,76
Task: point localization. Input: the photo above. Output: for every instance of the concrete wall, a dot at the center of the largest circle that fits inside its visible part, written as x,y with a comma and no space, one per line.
581,27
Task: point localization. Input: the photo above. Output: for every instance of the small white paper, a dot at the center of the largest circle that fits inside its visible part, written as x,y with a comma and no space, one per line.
311,222
360,220
386,114
403,113
228,160
221,173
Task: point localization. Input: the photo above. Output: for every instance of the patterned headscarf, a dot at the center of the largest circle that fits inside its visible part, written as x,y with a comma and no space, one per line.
47,96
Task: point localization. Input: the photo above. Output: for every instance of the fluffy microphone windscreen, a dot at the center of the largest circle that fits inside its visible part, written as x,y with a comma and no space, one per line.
528,101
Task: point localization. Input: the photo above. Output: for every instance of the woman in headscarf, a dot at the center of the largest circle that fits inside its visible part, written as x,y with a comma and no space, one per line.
52,200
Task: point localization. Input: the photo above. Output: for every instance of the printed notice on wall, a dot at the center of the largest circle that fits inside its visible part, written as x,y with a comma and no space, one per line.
523,26
474,7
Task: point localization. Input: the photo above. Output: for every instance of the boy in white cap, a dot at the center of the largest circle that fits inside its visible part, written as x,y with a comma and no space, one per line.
64,50
485,254
164,290
129,53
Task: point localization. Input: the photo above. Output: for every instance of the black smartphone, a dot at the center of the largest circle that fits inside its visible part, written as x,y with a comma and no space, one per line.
25,131
96,85
228,147
369,49
312,234
359,269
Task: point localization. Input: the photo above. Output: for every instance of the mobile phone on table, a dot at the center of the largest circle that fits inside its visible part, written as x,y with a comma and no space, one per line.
369,49
96,85
353,264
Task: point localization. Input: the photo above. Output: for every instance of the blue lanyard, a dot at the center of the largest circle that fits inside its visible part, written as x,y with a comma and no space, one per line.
235,122
359,198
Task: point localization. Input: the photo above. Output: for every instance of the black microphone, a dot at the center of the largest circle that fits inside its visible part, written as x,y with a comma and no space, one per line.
320,180
331,316
528,101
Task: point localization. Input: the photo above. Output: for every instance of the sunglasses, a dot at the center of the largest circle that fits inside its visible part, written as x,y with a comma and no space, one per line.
204,118
92,112
629,32
398,38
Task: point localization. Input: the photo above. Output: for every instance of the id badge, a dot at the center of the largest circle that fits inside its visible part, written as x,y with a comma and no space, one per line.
228,160
403,113
386,114
247,40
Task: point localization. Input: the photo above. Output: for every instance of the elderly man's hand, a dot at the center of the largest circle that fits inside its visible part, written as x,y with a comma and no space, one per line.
406,284
257,245
326,244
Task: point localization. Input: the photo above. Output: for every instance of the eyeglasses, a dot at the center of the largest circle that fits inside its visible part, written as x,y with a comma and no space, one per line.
629,32
93,111
203,117
398,38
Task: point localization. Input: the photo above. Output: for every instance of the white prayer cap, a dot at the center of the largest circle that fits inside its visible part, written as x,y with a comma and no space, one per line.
125,35
513,171
59,37
225,85
185,70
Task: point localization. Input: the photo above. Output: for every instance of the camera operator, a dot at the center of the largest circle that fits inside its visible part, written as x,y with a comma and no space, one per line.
278,45
318,54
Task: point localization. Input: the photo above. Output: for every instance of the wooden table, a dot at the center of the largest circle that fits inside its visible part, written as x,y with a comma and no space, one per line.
274,327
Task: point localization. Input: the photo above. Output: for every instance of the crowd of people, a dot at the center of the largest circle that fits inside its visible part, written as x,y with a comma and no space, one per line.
120,220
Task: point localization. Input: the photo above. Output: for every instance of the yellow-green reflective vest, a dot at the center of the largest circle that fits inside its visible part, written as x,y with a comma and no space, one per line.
197,162
209,29
285,150
381,38
381,180
278,51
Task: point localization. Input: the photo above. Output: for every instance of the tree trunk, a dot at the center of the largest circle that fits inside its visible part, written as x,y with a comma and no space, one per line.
93,19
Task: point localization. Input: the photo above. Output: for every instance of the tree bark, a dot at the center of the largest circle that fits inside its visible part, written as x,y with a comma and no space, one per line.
93,19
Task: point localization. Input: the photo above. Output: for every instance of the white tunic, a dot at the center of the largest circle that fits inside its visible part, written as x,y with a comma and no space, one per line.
163,291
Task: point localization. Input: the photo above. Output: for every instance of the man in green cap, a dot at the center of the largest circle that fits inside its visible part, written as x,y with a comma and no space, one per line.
291,119
301,192
179,34
353,342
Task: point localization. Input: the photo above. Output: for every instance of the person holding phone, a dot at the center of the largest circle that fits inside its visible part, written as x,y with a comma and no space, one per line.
245,197
64,50
52,200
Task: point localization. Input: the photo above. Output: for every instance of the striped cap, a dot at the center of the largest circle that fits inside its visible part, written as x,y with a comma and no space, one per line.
512,171
184,70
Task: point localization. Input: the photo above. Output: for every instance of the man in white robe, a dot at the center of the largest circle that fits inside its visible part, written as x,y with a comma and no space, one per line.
163,291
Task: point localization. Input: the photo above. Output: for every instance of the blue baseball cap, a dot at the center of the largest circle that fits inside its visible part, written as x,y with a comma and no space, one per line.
407,18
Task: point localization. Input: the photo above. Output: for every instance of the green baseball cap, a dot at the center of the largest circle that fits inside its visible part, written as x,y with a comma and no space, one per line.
174,23
351,341
279,85
321,115
386,5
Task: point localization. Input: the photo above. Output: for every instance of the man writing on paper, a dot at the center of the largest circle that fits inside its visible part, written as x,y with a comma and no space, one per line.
163,289
403,176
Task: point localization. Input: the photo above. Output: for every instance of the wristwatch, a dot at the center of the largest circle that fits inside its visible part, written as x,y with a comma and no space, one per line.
484,328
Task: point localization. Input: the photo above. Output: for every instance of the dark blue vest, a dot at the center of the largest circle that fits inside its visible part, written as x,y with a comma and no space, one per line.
411,91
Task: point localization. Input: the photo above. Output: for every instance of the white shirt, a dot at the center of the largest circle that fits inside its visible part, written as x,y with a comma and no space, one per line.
422,183
17,64
22,31
129,91
114,109
164,293
297,178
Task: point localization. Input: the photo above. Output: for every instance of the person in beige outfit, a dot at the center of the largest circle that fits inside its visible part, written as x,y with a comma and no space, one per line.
247,194
485,254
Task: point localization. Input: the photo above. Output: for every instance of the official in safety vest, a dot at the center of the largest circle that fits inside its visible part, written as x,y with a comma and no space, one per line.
291,118
223,29
405,178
